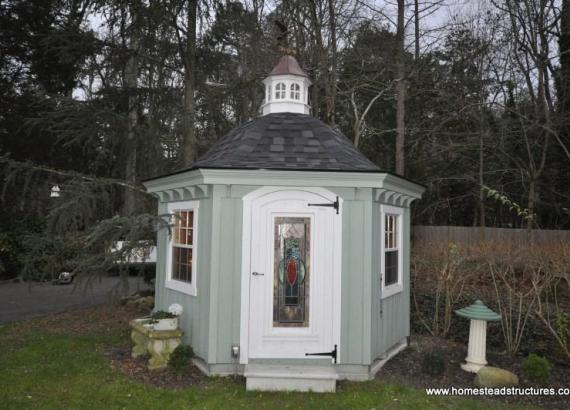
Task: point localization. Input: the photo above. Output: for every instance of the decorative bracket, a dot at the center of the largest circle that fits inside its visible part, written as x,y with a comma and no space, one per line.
332,353
335,205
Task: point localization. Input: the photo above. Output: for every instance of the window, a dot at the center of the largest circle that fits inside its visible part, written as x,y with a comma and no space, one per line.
268,93
390,249
181,259
292,271
280,91
295,91
391,254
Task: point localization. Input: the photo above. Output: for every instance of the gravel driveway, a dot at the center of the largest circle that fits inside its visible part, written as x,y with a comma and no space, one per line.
19,301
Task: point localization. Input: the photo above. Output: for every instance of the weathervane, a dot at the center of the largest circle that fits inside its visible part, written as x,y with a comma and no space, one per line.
281,33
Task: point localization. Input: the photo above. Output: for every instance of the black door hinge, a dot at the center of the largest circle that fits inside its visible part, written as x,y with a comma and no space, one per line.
332,353
335,205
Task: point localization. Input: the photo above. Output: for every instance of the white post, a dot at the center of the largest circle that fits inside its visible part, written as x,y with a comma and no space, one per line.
477,345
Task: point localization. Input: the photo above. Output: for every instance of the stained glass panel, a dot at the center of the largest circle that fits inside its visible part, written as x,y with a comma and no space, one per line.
291,271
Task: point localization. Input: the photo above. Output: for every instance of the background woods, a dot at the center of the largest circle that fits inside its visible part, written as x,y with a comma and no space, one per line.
100,94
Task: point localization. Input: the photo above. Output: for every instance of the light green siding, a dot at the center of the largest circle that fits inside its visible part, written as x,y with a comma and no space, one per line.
391,315
195,320
356,277
211,322
229,272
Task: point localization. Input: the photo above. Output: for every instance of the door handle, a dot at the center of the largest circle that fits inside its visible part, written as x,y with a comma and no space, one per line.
257,274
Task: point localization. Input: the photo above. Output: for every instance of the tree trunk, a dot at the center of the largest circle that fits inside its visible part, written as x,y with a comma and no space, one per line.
531,201
331,97
482,195
401,91
417,29
131,75
189,141
564,71
320,77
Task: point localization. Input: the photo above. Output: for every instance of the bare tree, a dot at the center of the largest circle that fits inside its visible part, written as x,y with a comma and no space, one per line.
400,89
360,117
130,82
189,58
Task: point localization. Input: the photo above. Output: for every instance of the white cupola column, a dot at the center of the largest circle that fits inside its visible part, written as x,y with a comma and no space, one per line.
286,88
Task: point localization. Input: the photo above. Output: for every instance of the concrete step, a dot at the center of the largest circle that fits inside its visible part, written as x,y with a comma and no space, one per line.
271,377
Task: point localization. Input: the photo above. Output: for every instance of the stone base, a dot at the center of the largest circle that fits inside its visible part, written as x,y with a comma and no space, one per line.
159,344
304,378
351,372
472,367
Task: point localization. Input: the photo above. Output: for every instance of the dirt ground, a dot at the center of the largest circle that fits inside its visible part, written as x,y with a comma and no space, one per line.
120,357
406,367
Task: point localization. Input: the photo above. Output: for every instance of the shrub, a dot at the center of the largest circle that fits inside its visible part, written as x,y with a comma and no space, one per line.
10,250
536,369
433,363
162,314
180,358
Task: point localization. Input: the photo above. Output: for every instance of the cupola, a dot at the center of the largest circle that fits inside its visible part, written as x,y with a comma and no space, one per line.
286,88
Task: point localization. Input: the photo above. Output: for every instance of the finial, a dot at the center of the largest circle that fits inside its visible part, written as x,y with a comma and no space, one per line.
288,51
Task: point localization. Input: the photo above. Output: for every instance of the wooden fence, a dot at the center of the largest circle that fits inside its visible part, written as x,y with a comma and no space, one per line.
470,235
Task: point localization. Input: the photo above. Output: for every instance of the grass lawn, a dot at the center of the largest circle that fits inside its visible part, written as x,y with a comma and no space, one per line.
55,363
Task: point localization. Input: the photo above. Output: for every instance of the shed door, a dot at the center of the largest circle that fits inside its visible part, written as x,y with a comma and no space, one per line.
292,308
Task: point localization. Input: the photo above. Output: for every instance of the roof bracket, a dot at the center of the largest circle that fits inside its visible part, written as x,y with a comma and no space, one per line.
335,205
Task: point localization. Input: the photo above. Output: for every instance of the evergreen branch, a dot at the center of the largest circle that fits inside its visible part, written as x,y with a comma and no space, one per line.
15,166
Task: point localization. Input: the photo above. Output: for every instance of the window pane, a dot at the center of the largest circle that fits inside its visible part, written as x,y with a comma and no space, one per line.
291,271
189,236
182,264
391,268
175,262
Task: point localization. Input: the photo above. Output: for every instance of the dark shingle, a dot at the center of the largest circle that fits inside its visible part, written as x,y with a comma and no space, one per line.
285,140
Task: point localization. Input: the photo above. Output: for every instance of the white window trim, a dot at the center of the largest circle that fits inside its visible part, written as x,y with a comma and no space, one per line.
390,290
173,284
281,90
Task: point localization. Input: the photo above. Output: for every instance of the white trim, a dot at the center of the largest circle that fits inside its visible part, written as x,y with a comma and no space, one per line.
173,284
287,103
387,291
246,262
393,351
264,177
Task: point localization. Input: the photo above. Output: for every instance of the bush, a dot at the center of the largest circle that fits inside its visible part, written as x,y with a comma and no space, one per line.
536,369
10,251
433,363
162,314
180,358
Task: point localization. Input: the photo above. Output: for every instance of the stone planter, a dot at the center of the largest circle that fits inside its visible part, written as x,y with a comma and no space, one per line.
159,344
166,324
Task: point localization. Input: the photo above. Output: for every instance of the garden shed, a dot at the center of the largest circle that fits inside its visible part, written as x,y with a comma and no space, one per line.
289,249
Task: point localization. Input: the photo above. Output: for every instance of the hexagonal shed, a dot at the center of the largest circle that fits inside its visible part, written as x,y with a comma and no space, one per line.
290,251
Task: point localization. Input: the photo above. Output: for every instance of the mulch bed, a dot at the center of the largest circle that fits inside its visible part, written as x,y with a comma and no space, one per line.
406,368
120,357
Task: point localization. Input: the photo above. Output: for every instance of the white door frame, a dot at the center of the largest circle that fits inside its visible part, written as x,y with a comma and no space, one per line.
246,276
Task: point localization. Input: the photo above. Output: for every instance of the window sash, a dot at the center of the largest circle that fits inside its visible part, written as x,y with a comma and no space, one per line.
182,246
280,91
181,260
391,232
295,91
390,244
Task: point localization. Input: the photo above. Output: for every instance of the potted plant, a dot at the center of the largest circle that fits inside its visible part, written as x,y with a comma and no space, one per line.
162,320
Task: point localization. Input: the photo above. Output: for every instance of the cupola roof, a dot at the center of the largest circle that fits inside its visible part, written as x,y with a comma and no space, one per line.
288,65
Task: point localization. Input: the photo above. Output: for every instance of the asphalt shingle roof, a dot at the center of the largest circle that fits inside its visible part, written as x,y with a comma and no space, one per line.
285,141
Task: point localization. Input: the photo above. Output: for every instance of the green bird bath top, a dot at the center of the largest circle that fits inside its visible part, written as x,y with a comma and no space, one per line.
478,311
